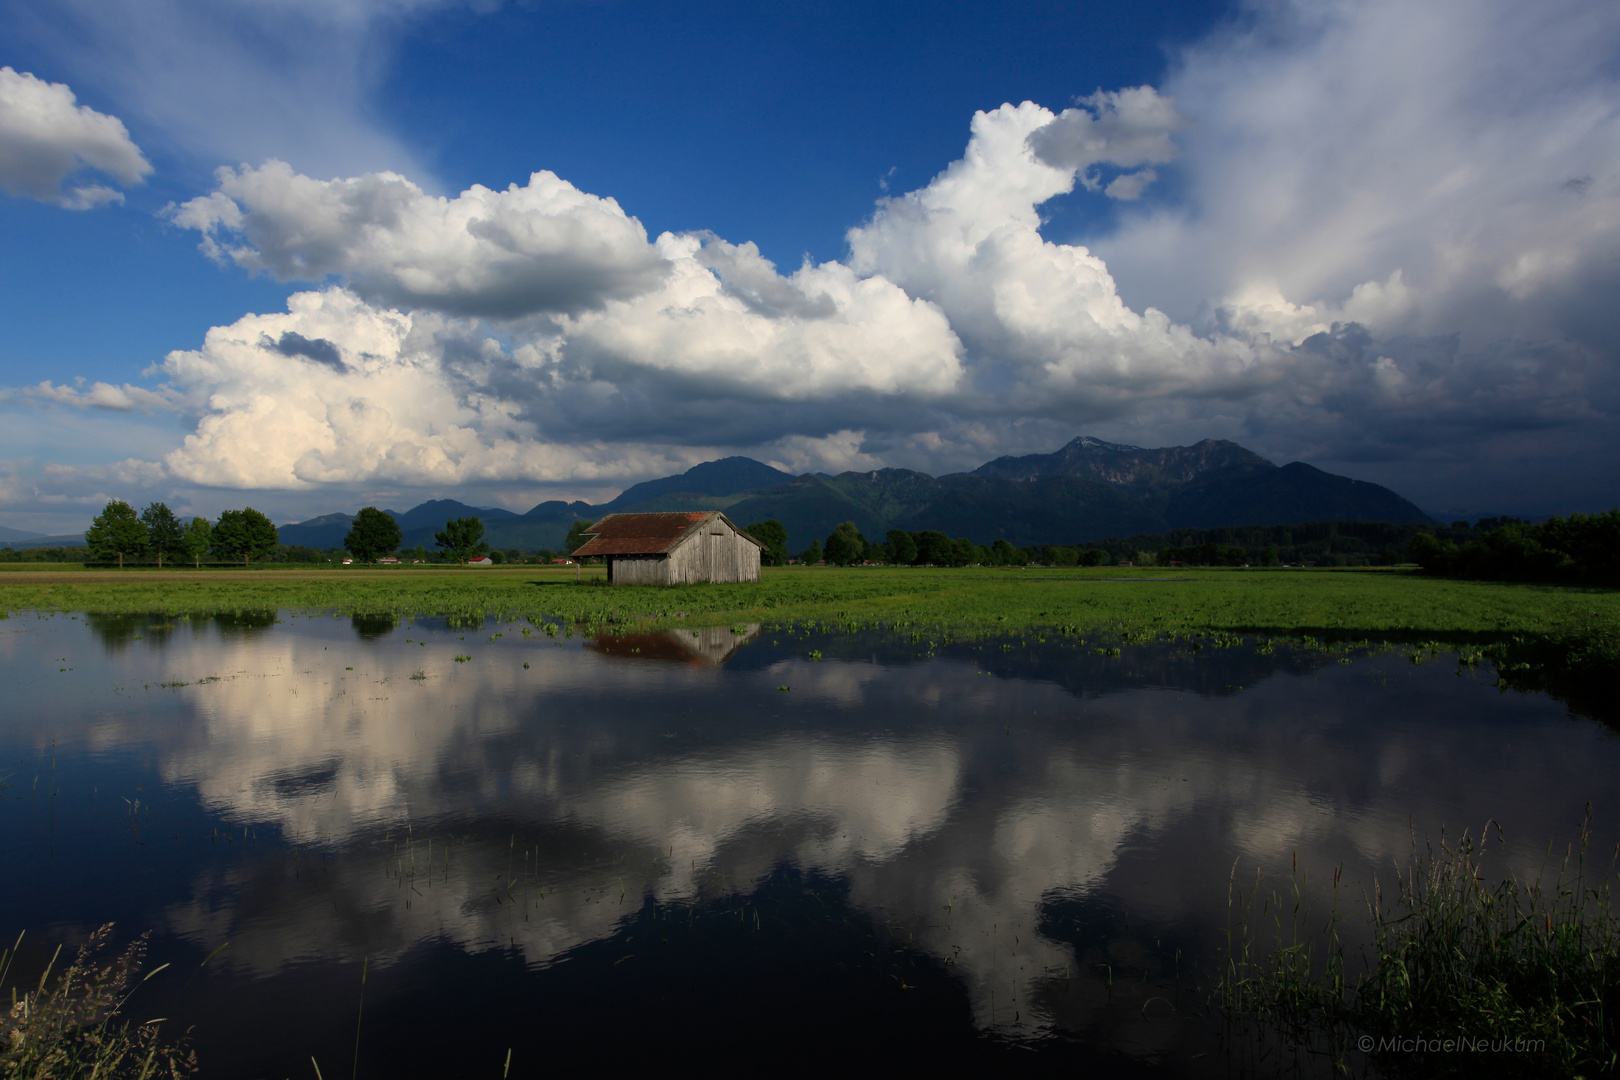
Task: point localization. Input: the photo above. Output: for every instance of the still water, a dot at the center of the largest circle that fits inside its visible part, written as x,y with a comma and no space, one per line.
710,848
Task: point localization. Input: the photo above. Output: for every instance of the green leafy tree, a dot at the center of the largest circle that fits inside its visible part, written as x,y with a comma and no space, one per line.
1433,554
373,535
934,548
197,538
116,531
462,538
774,536
812,554
163,530
497,557
845,545
245,534
1002,553
900,548
577,537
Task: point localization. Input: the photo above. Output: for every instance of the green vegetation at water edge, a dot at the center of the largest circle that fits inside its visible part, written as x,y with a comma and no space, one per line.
71,1022
1468,971
1372,604
1561,639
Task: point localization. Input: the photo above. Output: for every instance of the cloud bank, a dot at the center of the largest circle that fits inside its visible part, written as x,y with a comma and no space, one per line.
1369,257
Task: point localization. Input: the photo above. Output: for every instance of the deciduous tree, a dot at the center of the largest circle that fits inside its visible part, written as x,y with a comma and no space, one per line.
774,536
163,530
197,539
901,548
462,537
845,545
244,533
934,548
373,534
577,537
117,530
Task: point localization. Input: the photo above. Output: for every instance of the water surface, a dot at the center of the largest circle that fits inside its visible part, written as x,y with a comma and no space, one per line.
709,846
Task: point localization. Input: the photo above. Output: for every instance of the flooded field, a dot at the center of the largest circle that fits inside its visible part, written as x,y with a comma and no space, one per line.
743,846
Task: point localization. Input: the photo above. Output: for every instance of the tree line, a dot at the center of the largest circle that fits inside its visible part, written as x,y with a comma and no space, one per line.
847,545
1579,549
119,534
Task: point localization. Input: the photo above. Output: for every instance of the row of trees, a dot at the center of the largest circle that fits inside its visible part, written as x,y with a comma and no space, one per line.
375,534
1582,548
846,545
118,532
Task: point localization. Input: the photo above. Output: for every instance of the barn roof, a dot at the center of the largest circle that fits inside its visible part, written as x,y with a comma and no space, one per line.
648,534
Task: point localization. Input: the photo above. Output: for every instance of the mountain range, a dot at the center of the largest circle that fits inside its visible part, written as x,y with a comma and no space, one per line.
1088,490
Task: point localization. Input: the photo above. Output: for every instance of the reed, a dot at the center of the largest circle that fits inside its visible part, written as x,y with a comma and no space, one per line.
1465,972
73,1026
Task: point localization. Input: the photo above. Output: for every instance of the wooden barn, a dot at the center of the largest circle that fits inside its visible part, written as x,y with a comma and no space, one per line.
672,549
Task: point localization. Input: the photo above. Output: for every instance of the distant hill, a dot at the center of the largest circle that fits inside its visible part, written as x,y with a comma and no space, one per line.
38,541
1148,475
962,504
1294,493
17,534
326,531
703,483
1088,490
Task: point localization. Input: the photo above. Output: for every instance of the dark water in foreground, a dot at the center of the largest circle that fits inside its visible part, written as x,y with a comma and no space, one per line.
644,852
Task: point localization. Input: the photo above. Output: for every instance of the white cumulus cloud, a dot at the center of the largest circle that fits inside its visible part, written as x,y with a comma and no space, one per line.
546,247
1044,324
46,137
101,395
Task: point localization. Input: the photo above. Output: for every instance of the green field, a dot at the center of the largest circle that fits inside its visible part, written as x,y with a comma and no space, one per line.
1344,604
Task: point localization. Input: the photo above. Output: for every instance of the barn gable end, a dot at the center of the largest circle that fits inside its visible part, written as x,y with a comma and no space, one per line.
673,548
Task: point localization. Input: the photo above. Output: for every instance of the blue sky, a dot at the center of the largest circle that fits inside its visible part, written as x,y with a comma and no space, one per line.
1377,239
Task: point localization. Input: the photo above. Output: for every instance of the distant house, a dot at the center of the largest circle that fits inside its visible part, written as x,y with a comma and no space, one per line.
672,549
562,562
388,560
482,560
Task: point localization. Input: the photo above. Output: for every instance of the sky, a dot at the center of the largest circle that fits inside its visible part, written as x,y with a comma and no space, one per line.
309,255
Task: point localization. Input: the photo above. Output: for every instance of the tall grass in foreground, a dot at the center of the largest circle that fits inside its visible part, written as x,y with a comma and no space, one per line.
73,1027
1521,976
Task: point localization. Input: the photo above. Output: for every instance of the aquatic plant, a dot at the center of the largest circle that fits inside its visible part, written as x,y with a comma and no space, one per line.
1465,973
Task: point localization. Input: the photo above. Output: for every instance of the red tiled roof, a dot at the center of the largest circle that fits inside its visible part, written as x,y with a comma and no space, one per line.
645,534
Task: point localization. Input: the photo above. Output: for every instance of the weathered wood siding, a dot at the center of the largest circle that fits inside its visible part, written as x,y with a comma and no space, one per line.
714,552
717,553
638,570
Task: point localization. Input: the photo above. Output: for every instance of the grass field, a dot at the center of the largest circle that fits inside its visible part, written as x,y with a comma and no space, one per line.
1339,604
